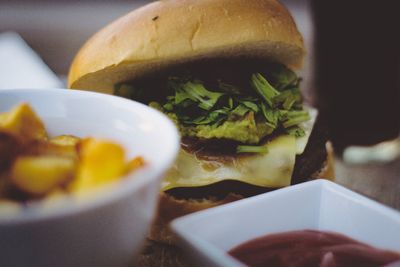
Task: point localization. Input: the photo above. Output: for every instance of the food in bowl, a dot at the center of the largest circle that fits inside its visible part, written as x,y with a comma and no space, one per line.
318,205
35,166
223,71
311,248
110,224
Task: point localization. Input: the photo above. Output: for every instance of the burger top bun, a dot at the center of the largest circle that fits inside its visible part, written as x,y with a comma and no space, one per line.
170,32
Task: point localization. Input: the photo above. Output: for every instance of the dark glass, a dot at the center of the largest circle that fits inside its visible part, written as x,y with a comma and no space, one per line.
358,69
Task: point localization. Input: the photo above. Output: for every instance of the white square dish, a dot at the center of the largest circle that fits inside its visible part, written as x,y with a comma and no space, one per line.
320,205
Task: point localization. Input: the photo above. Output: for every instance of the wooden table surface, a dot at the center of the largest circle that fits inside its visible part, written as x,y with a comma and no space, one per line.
377,181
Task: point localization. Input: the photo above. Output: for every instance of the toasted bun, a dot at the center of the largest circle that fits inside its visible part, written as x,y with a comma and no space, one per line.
171,32
170,208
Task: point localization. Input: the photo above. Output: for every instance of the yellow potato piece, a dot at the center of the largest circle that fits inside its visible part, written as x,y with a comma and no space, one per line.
44,148
24,122
134,164
65,140
101,162
39,175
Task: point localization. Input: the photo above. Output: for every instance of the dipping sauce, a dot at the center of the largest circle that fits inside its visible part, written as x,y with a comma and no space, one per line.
309,248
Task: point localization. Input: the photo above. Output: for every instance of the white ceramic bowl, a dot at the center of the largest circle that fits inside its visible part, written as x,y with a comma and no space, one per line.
319,204
109,229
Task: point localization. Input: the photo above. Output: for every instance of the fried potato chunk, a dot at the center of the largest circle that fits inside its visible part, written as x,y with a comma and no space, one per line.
34,166
134,164
101,162
65,140
39,175
44,148
23,122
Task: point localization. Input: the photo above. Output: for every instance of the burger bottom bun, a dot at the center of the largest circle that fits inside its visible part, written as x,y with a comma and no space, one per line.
170,207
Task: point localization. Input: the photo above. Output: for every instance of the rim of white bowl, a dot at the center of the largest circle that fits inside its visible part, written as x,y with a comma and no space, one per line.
69,205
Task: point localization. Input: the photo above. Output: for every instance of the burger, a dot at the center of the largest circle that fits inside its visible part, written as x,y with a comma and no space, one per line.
224,72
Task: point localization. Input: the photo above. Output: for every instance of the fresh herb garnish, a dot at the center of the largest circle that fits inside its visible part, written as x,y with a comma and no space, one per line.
250,105
271,116
282,77
263,88
240,110
274,104
288,98
199,94
292,118
295,131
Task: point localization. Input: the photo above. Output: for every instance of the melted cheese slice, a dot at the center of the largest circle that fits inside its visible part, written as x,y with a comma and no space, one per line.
273,169
307,126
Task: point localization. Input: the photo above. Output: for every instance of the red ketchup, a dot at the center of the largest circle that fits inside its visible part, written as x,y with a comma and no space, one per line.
308,248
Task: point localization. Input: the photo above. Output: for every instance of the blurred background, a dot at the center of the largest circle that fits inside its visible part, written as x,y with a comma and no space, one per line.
352,71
